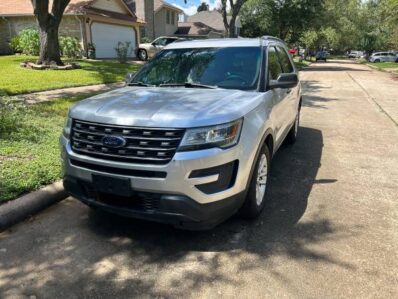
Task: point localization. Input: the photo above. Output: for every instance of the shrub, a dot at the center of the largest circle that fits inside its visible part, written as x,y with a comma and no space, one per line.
123,50
69,46
29,42
14,44
145,40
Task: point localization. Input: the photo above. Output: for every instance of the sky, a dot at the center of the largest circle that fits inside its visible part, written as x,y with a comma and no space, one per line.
192,5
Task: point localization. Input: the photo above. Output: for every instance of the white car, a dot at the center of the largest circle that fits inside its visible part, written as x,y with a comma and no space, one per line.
148,50
355,54
383,57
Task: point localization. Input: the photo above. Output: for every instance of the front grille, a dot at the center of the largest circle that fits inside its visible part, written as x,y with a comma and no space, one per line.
143,145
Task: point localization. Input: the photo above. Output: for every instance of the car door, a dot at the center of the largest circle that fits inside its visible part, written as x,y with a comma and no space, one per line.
274,69
290,95
159,45
391,57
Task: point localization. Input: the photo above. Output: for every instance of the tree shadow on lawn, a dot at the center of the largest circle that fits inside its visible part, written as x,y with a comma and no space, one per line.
99,253
109,71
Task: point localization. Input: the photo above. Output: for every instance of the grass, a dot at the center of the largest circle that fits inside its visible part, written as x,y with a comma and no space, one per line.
29,151
302,64
384,66
17,80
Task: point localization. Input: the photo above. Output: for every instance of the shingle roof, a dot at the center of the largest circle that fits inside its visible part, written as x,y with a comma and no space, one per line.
211,18
193,28
24,7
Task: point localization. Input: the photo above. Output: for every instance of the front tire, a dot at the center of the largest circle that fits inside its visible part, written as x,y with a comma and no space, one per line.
256,195
142,54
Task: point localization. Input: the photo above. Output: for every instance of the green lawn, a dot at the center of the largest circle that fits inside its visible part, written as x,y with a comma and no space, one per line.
302,64
16,80
384,65
29,152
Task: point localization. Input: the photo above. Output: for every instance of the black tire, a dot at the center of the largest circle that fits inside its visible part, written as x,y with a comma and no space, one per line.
142,54
251,208
396,60
377,61
291,137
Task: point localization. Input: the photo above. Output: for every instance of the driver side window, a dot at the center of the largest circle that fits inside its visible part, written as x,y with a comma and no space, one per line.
160,42
274,67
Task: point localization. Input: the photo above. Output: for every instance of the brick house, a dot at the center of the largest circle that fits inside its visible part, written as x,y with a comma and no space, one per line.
101,22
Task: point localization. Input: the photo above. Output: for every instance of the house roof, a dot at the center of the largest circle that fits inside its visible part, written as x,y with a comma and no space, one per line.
24,7
193,28
211,18
158,4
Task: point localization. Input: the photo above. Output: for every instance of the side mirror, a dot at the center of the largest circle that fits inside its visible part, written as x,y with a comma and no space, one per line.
129,77
284,81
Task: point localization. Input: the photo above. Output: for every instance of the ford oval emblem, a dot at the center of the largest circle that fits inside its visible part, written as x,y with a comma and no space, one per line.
113,141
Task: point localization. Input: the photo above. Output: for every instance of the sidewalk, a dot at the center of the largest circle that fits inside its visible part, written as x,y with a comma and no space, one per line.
49,95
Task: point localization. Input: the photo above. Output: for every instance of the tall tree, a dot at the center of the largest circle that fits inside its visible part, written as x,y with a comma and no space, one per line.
287,19
203,7
49,22
235,5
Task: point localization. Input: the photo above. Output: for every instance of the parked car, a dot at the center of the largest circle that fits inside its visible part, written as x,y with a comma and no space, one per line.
148,50
356,54
383,57
189,140
321,55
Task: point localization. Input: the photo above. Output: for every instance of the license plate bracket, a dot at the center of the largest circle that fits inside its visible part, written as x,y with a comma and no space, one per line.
111,185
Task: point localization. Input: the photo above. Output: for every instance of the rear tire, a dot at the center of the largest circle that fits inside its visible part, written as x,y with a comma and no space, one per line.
257,192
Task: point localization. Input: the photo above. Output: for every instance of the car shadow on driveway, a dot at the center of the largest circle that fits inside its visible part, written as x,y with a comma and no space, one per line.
293,174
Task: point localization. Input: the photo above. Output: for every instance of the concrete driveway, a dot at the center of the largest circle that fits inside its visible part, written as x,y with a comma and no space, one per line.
330,228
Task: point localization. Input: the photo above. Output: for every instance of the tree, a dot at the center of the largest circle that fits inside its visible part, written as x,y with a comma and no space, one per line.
203,7
48,29
235,5
286,19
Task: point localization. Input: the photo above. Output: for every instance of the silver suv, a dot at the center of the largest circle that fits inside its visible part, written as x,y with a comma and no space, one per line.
189,140
383,57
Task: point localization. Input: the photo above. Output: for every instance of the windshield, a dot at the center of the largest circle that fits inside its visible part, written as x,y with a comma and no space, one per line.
234,68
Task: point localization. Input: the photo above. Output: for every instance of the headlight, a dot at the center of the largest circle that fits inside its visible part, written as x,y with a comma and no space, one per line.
67,127
223,136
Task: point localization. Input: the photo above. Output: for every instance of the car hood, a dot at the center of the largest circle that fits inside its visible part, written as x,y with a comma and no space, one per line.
166,107
146,45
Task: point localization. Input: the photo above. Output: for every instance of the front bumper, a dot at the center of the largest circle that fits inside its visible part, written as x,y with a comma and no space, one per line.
186,191
172,178
178,210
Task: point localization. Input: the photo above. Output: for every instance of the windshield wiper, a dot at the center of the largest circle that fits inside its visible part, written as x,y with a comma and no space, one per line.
140,84
187,85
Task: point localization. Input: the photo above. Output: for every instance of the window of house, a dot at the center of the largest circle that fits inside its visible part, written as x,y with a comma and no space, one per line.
173,17
167,17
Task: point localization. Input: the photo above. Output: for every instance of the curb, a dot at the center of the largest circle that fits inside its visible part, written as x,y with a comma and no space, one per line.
27,205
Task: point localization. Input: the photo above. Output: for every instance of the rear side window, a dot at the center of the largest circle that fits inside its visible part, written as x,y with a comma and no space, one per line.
274,67
285,61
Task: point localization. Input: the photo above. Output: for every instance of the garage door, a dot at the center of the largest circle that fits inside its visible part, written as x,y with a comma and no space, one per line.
106,36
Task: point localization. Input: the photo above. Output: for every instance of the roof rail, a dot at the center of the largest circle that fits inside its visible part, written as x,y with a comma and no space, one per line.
268,37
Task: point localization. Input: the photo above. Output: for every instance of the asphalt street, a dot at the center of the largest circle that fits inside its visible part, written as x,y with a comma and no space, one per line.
329,229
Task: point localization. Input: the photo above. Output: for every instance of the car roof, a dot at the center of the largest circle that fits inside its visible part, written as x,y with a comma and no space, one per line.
225,42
